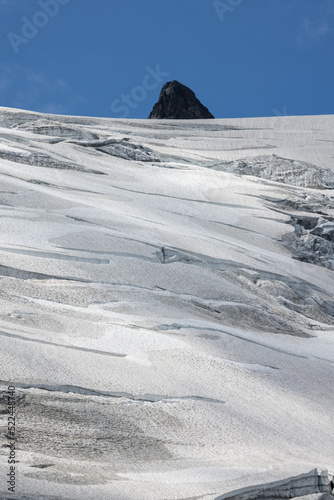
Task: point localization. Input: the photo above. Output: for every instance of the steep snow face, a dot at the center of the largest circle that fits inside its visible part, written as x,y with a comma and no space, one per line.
167,311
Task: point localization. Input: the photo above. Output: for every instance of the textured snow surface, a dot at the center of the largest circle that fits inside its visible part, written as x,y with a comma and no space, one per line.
167,310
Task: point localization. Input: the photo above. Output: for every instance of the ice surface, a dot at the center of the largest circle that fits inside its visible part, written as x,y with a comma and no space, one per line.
167,310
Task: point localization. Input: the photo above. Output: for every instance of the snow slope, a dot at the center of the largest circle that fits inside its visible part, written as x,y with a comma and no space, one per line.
167,311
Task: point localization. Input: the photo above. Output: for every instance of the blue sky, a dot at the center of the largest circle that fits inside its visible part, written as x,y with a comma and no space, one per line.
110,58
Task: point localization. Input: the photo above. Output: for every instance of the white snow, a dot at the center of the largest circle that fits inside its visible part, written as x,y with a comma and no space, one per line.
154,314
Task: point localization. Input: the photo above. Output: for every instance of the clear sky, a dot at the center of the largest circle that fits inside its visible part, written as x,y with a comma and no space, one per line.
110,58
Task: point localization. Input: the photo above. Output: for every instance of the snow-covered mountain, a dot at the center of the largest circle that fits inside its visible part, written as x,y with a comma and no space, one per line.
167,311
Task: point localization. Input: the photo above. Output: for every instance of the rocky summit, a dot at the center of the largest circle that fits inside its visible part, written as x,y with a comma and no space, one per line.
178,102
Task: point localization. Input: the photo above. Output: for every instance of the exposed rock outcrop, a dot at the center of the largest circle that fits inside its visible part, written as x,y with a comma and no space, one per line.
178,102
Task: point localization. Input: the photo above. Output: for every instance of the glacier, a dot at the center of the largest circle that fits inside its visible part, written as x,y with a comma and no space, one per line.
167,310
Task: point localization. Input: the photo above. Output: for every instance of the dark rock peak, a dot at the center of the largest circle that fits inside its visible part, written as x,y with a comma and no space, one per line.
178,102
